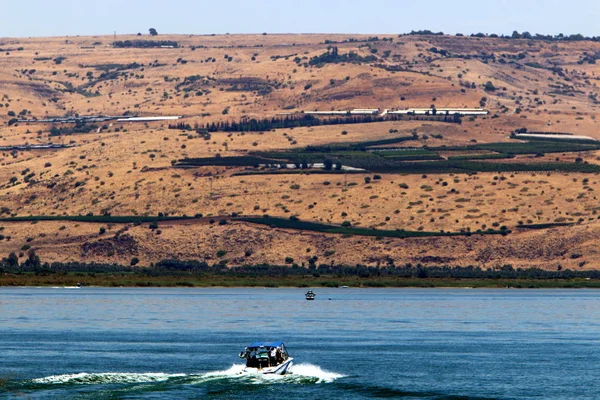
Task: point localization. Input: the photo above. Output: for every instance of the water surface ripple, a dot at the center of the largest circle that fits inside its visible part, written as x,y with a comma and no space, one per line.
348,344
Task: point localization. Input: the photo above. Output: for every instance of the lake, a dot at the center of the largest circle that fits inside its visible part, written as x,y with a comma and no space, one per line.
126,343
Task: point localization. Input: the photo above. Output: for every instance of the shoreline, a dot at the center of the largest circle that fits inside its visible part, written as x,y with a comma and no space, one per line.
293,281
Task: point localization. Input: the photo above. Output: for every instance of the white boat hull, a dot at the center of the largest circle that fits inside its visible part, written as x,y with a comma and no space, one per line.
280,369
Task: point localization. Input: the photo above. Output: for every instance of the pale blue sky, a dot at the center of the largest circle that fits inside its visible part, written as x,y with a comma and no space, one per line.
92,17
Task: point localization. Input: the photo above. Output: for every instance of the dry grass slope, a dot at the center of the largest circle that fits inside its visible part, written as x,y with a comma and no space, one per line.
126,168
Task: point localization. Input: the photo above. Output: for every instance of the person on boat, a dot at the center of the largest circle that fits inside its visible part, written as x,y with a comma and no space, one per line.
278,356
273,356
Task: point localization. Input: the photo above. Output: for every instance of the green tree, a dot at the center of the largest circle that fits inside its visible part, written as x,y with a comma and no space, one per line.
489,86
153,32
33,260
12,260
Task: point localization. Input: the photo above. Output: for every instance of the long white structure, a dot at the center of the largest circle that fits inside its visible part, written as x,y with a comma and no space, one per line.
326,112
365,111
96,118
356,111
411,111
441,111
148,119
553,137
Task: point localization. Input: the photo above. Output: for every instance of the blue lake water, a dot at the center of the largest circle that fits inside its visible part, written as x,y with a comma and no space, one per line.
96,343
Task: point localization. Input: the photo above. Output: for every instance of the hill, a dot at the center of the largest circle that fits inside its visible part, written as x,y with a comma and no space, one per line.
405,174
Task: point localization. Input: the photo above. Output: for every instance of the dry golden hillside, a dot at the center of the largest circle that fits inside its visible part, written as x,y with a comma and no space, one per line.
129,168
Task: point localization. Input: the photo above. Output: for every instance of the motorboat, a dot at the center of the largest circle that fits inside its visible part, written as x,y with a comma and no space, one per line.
266,358
310,295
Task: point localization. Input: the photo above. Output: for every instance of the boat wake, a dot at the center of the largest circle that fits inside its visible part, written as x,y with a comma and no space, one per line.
314,372
300,374
104,378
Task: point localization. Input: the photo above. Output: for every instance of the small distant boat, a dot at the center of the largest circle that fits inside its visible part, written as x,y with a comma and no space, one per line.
266,358
310,295
344,287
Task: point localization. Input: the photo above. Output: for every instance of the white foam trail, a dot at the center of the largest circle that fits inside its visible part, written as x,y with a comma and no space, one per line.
300,373
235,370
314,372
85,378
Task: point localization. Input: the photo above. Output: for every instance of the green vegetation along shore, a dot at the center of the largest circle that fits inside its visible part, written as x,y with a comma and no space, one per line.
194,273
300,281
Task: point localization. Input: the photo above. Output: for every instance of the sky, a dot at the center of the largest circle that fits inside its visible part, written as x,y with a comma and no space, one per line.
93,17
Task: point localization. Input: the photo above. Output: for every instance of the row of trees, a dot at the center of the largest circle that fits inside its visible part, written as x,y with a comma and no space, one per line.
332,55
145,43
517,35
78,128
32,263
301,120
267,124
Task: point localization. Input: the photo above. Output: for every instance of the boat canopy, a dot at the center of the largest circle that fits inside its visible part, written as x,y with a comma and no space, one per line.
265,344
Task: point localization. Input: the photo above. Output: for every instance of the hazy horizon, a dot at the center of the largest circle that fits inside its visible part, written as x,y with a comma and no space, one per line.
87,18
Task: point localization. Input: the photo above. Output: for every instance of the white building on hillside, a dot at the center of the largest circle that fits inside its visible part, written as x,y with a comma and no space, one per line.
441,111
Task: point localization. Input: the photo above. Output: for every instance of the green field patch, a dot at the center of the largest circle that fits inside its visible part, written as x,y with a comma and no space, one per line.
361,146
423,160
324,228
374,163
545,226
408,154
549,138
530,147
467,166
489,156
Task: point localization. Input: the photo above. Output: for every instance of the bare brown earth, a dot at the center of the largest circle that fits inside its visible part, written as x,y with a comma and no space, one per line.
126,169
